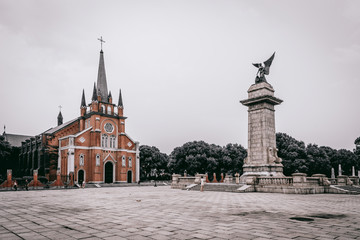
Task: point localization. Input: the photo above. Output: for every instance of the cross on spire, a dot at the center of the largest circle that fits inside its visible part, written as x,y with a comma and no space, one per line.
60,107
101,41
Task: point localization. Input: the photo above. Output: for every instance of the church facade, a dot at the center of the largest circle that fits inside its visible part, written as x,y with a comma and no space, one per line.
93,147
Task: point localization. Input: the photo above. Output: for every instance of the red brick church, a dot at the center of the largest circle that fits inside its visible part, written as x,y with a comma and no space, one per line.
92,147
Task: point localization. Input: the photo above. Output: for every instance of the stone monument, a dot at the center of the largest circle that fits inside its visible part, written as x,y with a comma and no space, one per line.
262,159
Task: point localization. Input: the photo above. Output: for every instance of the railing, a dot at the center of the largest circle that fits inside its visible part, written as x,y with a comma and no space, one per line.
101,112
274,180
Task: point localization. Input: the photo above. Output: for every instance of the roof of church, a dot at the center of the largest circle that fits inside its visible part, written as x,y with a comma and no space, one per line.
57,128
101,80
15,139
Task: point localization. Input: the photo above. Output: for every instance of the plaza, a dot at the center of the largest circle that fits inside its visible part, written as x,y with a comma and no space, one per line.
147,212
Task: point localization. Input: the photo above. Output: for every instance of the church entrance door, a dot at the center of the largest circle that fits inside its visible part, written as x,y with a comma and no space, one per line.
129,177
108,172
80,177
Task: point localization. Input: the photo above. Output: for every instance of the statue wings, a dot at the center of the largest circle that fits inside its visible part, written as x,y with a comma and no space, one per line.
263,69
267,63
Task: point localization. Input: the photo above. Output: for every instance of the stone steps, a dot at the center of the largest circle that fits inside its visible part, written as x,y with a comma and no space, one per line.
349,189
218,187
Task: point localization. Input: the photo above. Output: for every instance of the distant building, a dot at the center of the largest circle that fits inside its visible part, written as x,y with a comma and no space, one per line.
11,161
15,140
94,146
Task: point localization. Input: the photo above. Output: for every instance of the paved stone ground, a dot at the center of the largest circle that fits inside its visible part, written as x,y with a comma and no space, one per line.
164,213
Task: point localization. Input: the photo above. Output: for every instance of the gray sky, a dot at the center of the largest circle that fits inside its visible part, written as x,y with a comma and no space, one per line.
183,66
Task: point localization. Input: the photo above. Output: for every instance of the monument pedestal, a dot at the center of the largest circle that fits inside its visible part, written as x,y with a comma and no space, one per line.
262,159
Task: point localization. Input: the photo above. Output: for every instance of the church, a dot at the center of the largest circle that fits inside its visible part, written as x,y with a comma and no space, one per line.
93,147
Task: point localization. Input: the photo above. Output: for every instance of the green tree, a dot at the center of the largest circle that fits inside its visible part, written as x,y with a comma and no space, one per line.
5,153
357,151
201,157
152,161
293,154
232,158
195,157
318,161
347,159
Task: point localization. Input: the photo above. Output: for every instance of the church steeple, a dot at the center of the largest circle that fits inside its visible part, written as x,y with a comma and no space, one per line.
101,80
60,118
83,103
94,96
120,103
110,97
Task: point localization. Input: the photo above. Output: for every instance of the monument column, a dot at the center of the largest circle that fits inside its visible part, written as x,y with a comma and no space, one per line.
262,159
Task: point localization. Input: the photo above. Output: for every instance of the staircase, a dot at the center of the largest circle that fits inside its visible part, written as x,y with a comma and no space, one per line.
348,189
218,187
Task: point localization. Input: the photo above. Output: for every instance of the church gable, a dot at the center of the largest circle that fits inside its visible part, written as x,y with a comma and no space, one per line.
126,142
83,138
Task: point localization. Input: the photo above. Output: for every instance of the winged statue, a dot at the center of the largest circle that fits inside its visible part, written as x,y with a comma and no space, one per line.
264,69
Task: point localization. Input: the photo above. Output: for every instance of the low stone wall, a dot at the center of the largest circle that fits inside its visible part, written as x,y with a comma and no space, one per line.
179,182
298,183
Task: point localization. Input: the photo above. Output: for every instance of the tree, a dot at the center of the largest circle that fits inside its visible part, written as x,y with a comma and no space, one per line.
152,161
232,159
357,151
292,152
201,157
347,159
194,157
318,161
5,153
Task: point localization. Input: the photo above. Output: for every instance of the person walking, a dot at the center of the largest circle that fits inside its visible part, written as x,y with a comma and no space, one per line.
202,184
26,185
15,185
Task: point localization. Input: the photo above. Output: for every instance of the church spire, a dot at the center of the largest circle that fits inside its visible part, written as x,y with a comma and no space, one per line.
101,80
120,104
94,96
60,117
83,103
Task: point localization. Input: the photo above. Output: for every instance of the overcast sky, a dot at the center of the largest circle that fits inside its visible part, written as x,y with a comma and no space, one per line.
183,66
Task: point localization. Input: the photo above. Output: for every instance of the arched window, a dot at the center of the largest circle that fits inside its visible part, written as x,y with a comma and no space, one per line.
103,108
112,141
109,110
130,162
81,160
104,140
123,161
97,159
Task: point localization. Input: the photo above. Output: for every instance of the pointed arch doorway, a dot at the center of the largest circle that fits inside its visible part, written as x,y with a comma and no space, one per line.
109,172
81,176
129,177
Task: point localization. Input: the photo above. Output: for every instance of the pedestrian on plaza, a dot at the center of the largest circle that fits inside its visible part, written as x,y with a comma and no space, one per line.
26,185
202,184
83,184
15,185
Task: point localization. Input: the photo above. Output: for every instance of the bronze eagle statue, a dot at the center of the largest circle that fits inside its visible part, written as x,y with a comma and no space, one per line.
264,69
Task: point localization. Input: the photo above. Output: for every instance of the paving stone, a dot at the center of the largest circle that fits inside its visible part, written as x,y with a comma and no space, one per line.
164,213
10,236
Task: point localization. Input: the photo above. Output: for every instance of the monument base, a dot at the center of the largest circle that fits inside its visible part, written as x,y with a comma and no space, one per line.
264,170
